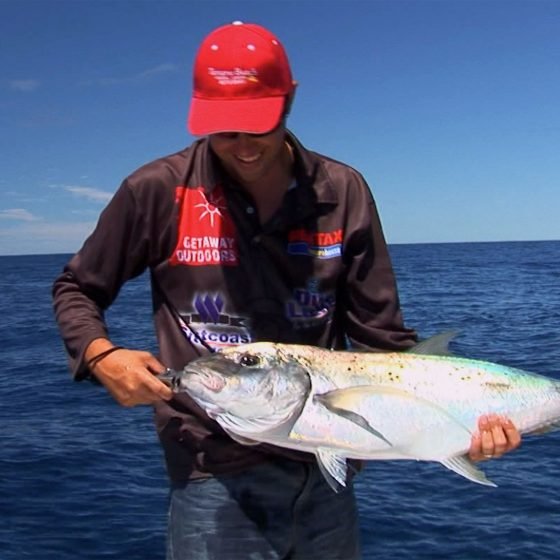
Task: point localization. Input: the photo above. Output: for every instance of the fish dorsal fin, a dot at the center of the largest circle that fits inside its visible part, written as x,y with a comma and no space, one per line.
333,467
465,467
337,402
437,345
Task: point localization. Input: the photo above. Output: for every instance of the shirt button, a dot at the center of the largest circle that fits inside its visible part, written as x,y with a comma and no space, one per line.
256,240
250,210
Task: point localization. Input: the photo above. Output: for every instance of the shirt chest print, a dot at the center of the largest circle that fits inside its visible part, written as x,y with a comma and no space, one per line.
206,233
321,245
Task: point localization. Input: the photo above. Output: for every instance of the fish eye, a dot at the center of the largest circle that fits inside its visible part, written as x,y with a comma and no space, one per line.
249,360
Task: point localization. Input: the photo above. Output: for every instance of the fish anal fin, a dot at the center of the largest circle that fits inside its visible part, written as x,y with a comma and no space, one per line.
465,467
541,430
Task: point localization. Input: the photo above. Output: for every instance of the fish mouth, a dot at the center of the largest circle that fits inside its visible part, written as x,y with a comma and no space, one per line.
208,379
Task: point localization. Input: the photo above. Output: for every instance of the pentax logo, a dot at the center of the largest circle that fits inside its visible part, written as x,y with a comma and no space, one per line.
322,245
206,233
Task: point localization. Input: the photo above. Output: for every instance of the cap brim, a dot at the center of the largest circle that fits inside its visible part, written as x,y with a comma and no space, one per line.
253,116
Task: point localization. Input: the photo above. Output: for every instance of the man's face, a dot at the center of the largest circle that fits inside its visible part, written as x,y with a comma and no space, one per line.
249,158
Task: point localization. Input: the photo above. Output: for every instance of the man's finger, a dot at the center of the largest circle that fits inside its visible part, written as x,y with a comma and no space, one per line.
160,389
486,438
512,434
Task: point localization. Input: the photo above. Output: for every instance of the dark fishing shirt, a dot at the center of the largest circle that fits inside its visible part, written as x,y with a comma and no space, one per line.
318,272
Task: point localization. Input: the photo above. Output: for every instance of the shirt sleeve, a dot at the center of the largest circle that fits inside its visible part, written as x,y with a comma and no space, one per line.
373,317
115,252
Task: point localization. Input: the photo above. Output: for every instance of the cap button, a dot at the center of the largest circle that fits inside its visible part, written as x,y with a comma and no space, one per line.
237,22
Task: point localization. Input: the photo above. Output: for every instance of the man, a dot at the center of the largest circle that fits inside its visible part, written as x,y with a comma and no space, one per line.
248,236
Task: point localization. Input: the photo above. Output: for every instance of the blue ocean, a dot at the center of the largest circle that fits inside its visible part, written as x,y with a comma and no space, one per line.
82,478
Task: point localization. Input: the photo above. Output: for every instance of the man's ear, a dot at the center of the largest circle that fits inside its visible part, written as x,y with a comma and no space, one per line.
289,100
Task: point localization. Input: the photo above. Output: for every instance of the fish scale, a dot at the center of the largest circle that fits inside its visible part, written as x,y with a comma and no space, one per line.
438,378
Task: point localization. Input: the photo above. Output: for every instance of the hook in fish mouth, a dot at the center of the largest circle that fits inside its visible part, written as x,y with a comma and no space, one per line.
172,378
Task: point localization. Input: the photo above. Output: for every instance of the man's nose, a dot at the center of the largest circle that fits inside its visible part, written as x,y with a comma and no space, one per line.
244,141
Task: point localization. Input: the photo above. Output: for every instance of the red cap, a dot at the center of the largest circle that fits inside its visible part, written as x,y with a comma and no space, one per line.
241,79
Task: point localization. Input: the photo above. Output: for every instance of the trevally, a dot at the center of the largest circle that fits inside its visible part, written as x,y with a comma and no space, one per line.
422,404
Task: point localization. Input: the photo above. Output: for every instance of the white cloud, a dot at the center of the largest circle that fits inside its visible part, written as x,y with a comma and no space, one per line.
90,193
24,85
161,69
44,237
18,214
85,212
165,68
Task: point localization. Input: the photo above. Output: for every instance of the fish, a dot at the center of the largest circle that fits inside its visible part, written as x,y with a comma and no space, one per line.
422,404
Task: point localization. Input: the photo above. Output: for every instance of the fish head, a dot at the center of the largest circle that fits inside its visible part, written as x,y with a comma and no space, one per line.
253,387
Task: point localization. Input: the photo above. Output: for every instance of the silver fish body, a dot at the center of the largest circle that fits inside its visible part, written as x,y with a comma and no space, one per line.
365,405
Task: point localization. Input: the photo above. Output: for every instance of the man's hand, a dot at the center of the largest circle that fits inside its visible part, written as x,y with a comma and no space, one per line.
129,375
497,435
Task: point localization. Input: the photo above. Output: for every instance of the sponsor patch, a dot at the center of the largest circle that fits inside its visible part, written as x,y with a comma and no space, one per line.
322,245
209,323
309,307
206,233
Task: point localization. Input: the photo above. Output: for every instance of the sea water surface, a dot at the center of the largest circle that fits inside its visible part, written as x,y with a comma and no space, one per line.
82,478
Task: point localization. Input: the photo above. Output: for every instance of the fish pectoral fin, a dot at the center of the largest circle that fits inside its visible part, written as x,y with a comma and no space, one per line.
240,439
437,345
333,467
465,467
339,402
437,428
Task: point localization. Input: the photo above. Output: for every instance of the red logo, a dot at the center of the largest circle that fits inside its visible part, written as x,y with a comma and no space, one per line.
206,231
322,245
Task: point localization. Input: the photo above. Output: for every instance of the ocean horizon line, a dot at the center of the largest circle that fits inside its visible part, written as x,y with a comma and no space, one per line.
390,244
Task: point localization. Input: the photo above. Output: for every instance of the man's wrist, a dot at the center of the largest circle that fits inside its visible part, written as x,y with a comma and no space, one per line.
101,356
96,351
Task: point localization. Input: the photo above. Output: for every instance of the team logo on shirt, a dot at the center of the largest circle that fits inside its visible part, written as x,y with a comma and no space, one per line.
322,245
206,233
309,307
210,324
210,310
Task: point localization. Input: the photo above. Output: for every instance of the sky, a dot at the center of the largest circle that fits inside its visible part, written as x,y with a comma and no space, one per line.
449,108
